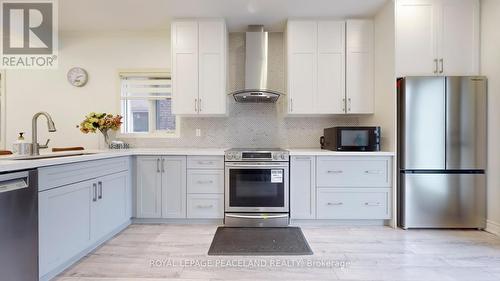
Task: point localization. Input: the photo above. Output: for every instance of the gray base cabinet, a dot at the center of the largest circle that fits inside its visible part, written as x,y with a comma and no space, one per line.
303,187
161,186
78,215
341,187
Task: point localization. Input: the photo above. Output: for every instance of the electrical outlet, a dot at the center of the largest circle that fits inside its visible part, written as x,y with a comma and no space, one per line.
198,132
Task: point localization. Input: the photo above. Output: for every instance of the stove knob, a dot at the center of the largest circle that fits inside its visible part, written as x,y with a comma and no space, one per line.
237,156
229,156
283,156
275,156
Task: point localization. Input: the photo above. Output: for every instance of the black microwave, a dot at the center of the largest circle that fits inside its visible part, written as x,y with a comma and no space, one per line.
351,139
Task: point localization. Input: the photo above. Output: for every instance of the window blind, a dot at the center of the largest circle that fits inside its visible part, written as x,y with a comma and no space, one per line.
151,87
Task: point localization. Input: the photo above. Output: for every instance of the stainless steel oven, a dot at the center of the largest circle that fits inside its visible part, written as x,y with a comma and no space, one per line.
257,187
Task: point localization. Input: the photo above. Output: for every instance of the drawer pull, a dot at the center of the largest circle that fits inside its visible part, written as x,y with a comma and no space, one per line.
334,203
373,172
204,206
205,162
374,204
205,182
335,172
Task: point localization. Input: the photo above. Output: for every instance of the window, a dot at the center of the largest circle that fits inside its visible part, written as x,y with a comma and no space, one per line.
146,104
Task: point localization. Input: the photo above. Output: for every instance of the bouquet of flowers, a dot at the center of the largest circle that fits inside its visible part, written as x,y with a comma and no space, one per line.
102,122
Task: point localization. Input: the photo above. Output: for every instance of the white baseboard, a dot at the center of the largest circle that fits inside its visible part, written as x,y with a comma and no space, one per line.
297,222
177,221
493,227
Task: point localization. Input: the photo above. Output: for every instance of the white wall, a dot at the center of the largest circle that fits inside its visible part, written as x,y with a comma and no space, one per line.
490,66
102,55
385,79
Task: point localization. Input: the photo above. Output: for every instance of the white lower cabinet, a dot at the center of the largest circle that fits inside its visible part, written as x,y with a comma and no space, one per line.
353,203
341,187
161,186
64,223
76,217
205,206
303,187
109,210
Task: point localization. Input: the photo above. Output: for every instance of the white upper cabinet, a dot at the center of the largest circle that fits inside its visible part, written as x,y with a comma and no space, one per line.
437,37
199,55
459,45
331,67
302,66
359,67
318,80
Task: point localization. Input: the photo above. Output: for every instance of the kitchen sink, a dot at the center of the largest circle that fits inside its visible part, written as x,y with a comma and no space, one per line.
48,155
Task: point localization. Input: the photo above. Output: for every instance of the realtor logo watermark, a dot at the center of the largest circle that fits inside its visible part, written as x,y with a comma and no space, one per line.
29,34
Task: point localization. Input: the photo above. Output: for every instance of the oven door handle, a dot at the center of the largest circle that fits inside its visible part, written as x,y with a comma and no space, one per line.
257,217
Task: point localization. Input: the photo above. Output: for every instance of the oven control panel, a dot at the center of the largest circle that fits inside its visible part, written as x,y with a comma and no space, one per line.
281,155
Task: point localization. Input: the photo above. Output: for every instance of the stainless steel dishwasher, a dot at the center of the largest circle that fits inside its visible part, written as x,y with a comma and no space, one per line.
19,226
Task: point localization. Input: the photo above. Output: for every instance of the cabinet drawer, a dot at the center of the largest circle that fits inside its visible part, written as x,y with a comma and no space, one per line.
205,206
353,203
205,162
59,175
354,171
205,181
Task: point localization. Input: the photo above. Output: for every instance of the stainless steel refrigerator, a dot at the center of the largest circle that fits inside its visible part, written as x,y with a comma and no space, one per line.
442,152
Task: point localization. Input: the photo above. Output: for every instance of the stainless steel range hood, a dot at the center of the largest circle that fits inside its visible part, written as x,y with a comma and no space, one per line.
256,69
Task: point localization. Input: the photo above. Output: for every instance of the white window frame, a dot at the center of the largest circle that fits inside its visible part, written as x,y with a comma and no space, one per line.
3,113
152,113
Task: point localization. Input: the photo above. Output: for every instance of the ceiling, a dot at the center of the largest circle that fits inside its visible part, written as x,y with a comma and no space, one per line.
141,15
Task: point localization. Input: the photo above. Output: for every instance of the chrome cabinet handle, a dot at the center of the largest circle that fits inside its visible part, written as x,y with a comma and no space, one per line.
204,206
163,165
205,162
94,187
334,203
195,105
100,190
343,105
335,172
349,108
441,61
291,104
373,172
158,165
436,66
199,105
205,182
374,204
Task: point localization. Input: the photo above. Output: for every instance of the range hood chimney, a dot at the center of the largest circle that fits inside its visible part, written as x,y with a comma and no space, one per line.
256,69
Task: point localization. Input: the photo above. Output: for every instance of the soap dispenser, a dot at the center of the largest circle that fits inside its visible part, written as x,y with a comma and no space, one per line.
21,146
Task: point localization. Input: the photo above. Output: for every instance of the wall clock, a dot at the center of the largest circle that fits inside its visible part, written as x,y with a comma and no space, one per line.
77,76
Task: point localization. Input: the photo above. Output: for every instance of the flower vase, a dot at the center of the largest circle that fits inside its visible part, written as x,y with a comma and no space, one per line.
105,133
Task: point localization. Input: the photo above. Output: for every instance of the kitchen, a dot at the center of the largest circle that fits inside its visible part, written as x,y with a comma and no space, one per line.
107,213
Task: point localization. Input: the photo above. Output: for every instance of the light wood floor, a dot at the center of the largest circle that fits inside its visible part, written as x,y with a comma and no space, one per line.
341,253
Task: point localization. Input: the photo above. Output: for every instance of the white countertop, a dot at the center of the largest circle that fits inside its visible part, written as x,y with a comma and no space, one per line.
322,152
7,164
12,165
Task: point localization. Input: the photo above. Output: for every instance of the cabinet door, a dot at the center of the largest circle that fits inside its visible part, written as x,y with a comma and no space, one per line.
302,66
185,67
331,67
416,47
110,209
302,187
148,187
359,67
173,186
64,223
459,37
212,65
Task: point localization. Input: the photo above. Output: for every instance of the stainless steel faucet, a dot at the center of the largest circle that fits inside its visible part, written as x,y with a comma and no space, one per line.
35,146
